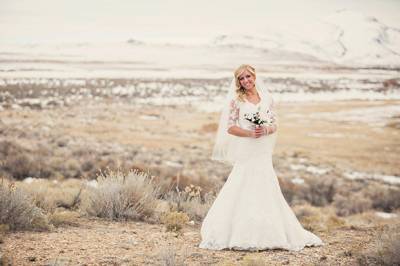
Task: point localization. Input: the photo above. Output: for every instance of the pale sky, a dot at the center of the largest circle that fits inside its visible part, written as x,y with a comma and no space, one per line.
38,21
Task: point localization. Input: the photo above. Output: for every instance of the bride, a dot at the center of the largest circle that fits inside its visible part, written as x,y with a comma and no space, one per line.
250,212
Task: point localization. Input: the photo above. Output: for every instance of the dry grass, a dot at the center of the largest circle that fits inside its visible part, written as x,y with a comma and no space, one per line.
190,201
318,191
54,159
49,195
85,151
348,197
253,260
386,250
61,218
306,210
384,198
119,195
174,221
351,204
168,256
367,220
17,211
18,163
322,223
318,219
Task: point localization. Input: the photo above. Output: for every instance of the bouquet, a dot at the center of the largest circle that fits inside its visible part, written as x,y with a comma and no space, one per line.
258,120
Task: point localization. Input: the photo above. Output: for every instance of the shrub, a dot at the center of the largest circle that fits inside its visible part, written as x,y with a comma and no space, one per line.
20,166
49,195
316,223
123,196
60,218
17,162
386,251
319,191
174,221
190,201
385,199
17,211
317,219
351,204
305,210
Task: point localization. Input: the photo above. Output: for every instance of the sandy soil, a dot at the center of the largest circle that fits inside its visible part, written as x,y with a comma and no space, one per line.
99,242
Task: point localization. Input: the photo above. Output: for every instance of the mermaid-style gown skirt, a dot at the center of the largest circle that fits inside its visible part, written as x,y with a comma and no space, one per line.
250,211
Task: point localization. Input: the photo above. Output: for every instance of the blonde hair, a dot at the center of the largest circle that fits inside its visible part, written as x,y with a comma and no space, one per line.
240,91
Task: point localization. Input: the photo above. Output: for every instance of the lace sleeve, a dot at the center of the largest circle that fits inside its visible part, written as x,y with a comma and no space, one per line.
273,112
270,116
233,114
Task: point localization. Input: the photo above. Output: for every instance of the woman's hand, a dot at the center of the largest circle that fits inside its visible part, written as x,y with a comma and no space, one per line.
254,133
259,131
268,130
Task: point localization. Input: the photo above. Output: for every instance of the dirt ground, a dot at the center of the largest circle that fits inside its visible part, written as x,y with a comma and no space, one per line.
338,134
99,242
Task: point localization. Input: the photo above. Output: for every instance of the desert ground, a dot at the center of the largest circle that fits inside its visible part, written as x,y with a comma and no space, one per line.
337,163
99,242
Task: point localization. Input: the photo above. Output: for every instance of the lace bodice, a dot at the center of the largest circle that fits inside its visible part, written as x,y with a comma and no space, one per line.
238,111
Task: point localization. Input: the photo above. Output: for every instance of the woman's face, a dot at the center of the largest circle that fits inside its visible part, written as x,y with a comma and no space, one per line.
247,80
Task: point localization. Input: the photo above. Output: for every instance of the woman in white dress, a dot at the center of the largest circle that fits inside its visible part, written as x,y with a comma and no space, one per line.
250,211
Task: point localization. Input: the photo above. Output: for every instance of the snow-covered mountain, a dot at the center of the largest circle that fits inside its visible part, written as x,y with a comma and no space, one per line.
344,37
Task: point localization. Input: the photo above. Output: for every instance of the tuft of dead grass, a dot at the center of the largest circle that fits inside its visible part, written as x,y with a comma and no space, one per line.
318,219
169,256
49,195
174,221
386,248
190,201
119,195
17,210
61,218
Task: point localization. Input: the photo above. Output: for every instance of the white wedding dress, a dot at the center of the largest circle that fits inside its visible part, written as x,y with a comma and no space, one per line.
250,211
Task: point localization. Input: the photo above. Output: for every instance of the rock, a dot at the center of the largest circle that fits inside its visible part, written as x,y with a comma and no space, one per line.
32,258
